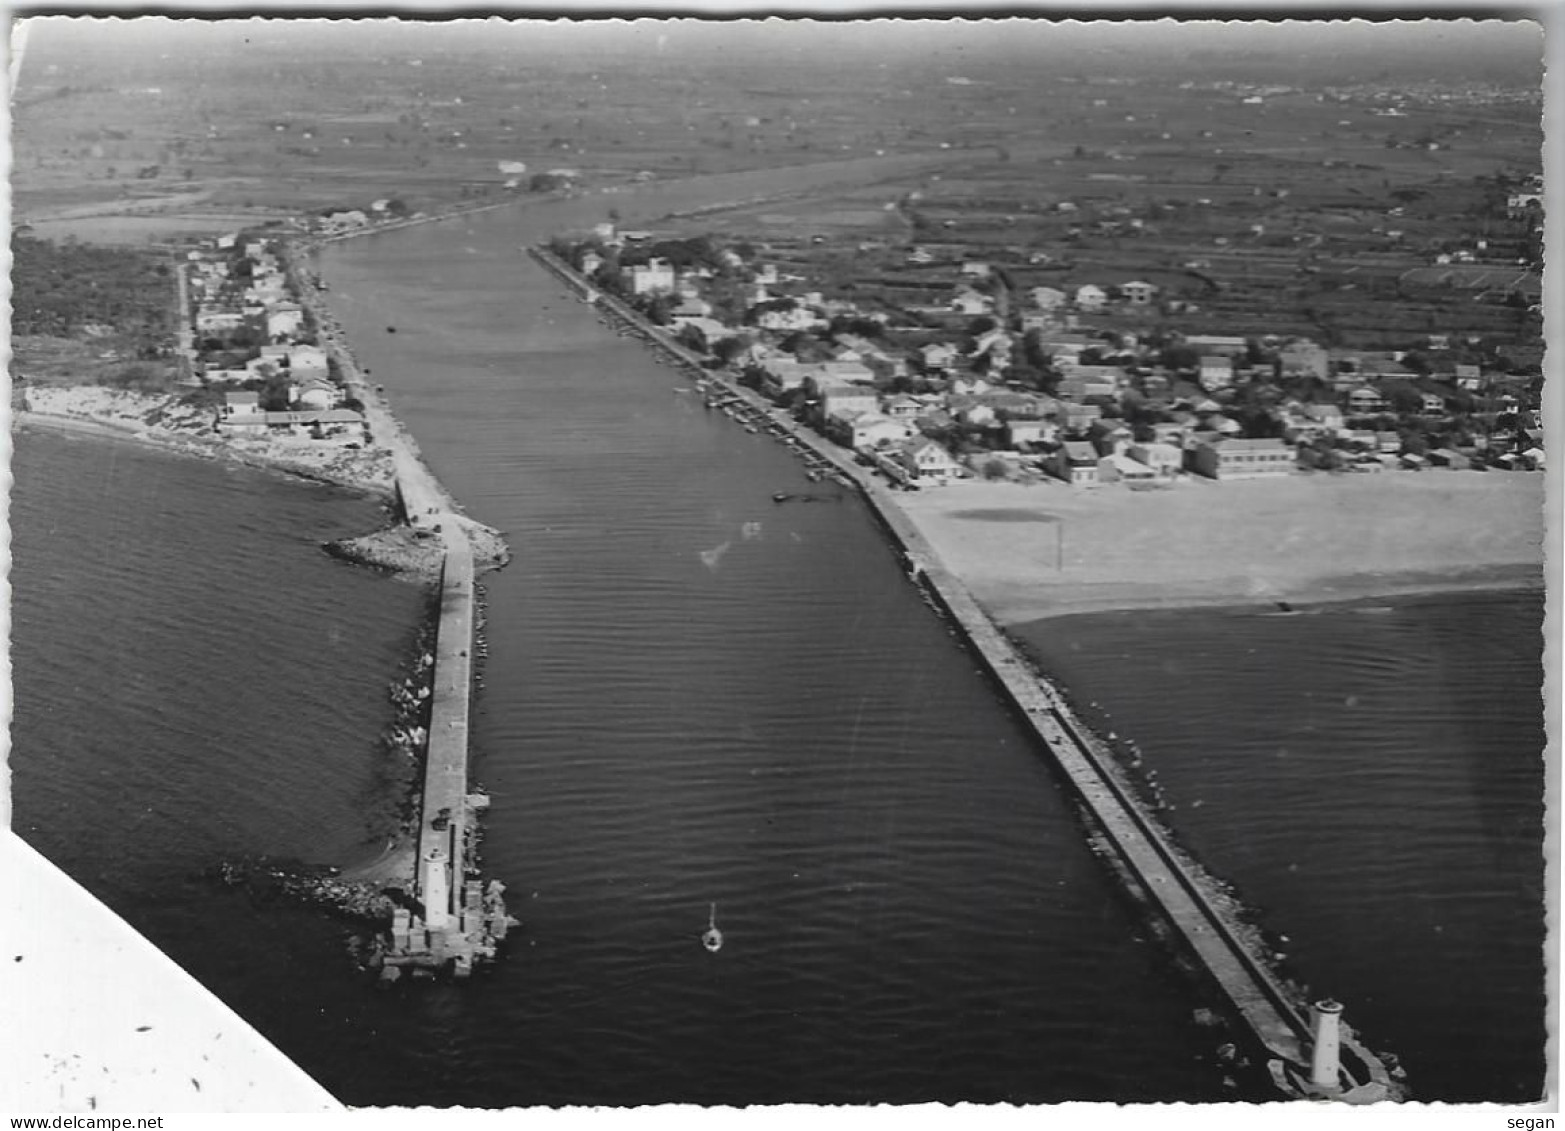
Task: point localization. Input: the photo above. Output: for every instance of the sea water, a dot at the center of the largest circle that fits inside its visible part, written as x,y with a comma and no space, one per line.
1370,776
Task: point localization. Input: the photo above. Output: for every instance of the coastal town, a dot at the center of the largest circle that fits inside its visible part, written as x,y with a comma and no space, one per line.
253,342
933,365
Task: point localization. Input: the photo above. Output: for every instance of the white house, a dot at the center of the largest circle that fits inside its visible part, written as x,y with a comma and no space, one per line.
240,404
1091,297
1048,298
971,302
1137,293
927,461
284,319
1020,432
1117,467
307,362
1216,372
868,430
937,355
653,277
1364,399
318,394
1162,459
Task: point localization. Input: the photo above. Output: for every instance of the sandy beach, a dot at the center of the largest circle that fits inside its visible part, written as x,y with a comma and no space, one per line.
1047,549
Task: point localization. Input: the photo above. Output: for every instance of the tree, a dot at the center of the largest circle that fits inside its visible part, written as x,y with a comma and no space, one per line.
691,338
276,394
726,349
1404,399
995,469
658,308
1258,424
1416,361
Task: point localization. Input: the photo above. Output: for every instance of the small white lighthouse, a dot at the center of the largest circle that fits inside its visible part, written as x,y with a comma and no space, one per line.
1325,1055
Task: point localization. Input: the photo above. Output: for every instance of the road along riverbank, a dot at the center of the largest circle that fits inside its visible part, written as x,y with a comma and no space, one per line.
1304,1055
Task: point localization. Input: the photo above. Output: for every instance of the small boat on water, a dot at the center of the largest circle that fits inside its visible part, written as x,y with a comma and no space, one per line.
712,938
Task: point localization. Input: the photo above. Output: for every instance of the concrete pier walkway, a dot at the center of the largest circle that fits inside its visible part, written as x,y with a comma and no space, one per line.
443,825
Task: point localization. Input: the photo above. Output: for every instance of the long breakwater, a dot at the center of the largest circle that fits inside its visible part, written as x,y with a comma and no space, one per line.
1305,1054
457,919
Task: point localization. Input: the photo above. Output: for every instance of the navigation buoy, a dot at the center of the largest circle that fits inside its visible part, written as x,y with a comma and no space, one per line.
712,938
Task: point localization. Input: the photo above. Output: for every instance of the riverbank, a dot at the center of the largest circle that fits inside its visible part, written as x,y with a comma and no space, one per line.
1031,552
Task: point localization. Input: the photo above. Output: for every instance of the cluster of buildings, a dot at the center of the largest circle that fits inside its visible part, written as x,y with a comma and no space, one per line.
338,221
1022,382
251,339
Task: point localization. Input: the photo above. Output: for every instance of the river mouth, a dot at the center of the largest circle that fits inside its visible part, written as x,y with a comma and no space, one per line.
783,728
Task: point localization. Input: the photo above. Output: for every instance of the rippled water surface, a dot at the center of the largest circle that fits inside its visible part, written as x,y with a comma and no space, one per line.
1370,775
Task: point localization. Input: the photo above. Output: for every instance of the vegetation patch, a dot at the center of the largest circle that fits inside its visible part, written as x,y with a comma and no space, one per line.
87,314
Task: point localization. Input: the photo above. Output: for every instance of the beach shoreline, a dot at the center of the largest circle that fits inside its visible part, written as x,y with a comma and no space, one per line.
91,411
97,413
1351,589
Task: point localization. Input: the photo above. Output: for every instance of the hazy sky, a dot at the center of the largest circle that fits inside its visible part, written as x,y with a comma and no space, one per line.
1441,43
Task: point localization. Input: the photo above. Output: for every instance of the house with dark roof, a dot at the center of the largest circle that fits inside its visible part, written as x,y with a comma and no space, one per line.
1076,462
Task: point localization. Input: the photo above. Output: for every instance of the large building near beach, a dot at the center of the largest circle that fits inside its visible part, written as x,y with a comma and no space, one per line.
1228,458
